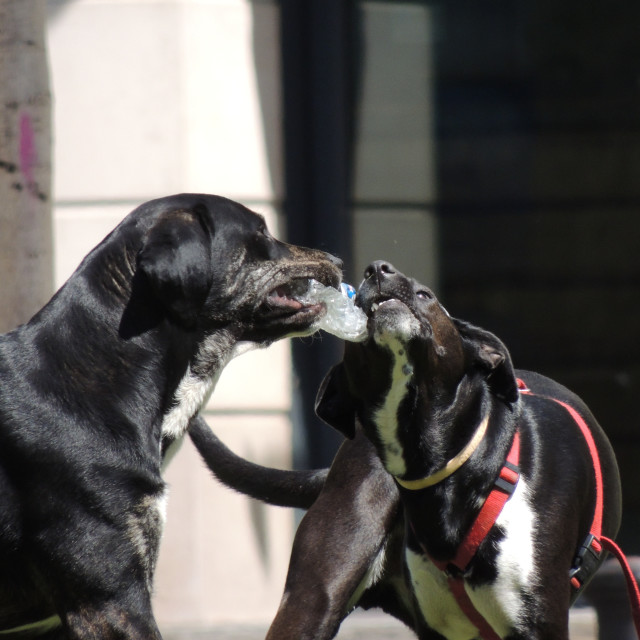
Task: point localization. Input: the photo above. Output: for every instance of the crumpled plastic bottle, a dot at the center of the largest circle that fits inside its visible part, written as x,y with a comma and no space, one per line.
342,318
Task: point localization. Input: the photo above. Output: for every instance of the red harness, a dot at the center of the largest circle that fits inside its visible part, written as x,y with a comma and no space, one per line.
455,569
586,559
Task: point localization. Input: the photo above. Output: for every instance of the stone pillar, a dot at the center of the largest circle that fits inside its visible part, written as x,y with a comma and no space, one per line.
26,261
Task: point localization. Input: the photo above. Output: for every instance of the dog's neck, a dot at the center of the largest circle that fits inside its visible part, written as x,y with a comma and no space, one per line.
417,432
419,424
452,465
198,383
388,427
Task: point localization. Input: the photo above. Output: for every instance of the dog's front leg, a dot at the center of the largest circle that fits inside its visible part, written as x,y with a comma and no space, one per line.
339,546
99,568
122,612
112,621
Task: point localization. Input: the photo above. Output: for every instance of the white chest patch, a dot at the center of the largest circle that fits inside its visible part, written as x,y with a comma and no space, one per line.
193,392
499,603
145,523
386,417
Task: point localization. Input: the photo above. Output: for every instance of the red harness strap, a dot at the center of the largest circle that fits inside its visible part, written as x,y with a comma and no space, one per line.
491,509
456,585
592,542
595,541
484,522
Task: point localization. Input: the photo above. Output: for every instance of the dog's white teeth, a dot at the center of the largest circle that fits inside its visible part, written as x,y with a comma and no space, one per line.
375,306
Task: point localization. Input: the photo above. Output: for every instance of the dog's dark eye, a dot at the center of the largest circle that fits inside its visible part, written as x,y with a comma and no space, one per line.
424,294
262,243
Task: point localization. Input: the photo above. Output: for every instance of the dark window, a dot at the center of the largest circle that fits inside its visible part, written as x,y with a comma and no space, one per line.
492,150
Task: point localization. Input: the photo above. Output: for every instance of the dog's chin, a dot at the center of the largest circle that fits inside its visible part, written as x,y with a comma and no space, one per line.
392,321
299,323
266,329
283,314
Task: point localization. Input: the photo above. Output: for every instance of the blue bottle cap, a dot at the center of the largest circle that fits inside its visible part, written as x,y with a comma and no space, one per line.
348,290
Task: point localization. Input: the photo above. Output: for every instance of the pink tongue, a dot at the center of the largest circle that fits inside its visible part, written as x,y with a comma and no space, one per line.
280,297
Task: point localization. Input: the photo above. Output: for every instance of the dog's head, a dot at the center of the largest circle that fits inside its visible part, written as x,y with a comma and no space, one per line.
410,330
206,263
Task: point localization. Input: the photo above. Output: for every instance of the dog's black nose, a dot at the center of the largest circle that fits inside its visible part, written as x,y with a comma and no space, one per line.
380,269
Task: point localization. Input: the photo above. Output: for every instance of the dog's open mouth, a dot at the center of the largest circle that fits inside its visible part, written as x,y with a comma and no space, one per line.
288,297
289,307
290,301
384,303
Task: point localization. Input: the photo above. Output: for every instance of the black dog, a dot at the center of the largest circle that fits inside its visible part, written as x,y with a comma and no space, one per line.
98,385
400,498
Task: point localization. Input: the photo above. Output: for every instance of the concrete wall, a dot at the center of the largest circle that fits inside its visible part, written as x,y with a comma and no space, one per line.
154,97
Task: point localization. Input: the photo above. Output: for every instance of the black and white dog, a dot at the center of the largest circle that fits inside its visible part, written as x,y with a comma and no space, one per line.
431,406
98,385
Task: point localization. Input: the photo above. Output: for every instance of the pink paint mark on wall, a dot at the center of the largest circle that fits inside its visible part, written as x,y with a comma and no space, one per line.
28,155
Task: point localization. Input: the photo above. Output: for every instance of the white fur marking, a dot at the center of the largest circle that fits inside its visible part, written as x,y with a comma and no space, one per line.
396,326
371,577
386,417
161,506
499,602
193,392
438,605
144,524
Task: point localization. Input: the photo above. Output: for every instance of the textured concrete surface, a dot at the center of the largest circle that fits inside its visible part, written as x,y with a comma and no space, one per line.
370,625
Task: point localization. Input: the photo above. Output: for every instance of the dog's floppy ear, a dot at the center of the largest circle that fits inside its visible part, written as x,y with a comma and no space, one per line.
490,354
334,404
176,261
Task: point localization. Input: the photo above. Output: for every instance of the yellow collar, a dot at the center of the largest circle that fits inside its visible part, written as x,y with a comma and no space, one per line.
453,465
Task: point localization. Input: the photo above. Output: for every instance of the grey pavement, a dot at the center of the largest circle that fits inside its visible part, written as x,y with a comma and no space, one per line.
365,625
